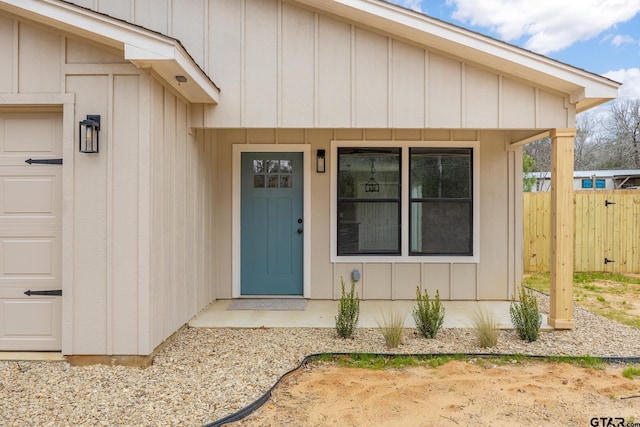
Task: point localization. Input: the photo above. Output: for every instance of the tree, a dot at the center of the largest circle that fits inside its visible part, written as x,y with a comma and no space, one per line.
589,144
607,138
623,128
528,164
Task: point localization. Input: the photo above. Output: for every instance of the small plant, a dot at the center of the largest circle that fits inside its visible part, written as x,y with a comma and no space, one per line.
526,316
485,328
348,311
631,372
392,327
429,315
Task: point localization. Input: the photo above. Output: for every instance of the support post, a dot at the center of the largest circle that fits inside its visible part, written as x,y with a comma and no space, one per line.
562,229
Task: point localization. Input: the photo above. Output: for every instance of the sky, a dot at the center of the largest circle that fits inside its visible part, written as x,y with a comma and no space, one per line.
600,36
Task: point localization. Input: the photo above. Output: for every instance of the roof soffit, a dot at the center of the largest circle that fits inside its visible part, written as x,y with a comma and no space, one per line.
583,88
142,47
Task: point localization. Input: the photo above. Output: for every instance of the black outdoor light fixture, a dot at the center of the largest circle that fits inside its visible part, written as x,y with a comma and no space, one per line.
89,130
320,161
372,185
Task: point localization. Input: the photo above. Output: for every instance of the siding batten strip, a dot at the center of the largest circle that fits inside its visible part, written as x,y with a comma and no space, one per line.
463,95
279,66
16,57
500,102
536,108
426,90
109,214
316,70
68,151
144,215
243,62
352,83
390,105
207,32
62,63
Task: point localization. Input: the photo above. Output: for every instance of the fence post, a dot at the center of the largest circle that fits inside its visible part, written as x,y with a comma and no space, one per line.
562,224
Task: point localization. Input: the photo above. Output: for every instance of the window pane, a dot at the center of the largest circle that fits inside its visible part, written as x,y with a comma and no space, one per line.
285,181
368,228
272,181
285,166
258,166
441,228
440,173
258,181
272,166
368,173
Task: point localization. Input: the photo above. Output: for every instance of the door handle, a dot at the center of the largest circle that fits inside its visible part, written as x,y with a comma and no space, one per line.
300,230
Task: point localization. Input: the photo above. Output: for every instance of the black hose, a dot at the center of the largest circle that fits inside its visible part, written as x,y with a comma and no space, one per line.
255,405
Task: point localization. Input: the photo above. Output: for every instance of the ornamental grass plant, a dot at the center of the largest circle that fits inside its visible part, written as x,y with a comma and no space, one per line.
485,328
392,327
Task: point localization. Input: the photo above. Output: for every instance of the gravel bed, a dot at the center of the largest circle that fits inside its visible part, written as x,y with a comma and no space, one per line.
206,374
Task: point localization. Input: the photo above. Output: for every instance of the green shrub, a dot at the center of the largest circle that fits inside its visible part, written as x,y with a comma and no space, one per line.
525,315
485,328
631,372
429,315
348,312
392,327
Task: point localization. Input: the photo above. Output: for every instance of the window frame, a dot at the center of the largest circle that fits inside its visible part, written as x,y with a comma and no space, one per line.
404,256
373,200
434,201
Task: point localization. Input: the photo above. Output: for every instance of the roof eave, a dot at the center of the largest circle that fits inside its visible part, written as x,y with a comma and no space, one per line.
144,48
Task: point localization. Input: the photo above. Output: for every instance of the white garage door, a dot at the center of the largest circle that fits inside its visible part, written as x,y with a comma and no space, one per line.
30,231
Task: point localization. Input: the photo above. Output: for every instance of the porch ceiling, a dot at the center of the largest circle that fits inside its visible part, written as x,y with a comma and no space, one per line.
142,47
585,89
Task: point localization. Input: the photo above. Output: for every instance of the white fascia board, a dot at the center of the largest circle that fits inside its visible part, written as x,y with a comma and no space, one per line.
172,62
142,47
470,46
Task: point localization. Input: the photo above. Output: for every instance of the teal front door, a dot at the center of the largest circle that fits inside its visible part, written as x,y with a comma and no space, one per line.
271,224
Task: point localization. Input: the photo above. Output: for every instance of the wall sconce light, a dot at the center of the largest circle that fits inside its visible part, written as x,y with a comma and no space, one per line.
89,130
320,161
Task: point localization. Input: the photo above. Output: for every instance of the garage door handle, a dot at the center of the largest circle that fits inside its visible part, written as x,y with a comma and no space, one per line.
56,292
44,161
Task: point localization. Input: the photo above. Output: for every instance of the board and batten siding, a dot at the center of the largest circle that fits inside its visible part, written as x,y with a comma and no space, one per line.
138,215
494,277
281,65
293,67
183,202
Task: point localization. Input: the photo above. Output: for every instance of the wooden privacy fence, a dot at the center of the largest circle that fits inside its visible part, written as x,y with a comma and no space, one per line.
607,231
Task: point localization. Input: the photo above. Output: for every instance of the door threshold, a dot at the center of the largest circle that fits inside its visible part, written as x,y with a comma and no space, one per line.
271,297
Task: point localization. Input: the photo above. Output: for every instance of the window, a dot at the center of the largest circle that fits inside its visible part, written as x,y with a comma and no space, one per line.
413,201
588,183
441,213
272,173
369,201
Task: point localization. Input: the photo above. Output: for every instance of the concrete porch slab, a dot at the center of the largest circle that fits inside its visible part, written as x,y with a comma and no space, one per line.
322,313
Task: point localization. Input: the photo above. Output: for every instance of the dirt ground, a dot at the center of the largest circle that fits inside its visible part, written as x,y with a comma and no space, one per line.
458,393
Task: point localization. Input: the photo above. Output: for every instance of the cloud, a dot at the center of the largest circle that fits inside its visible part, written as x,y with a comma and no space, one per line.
547,25
620,40
630,79
411,4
